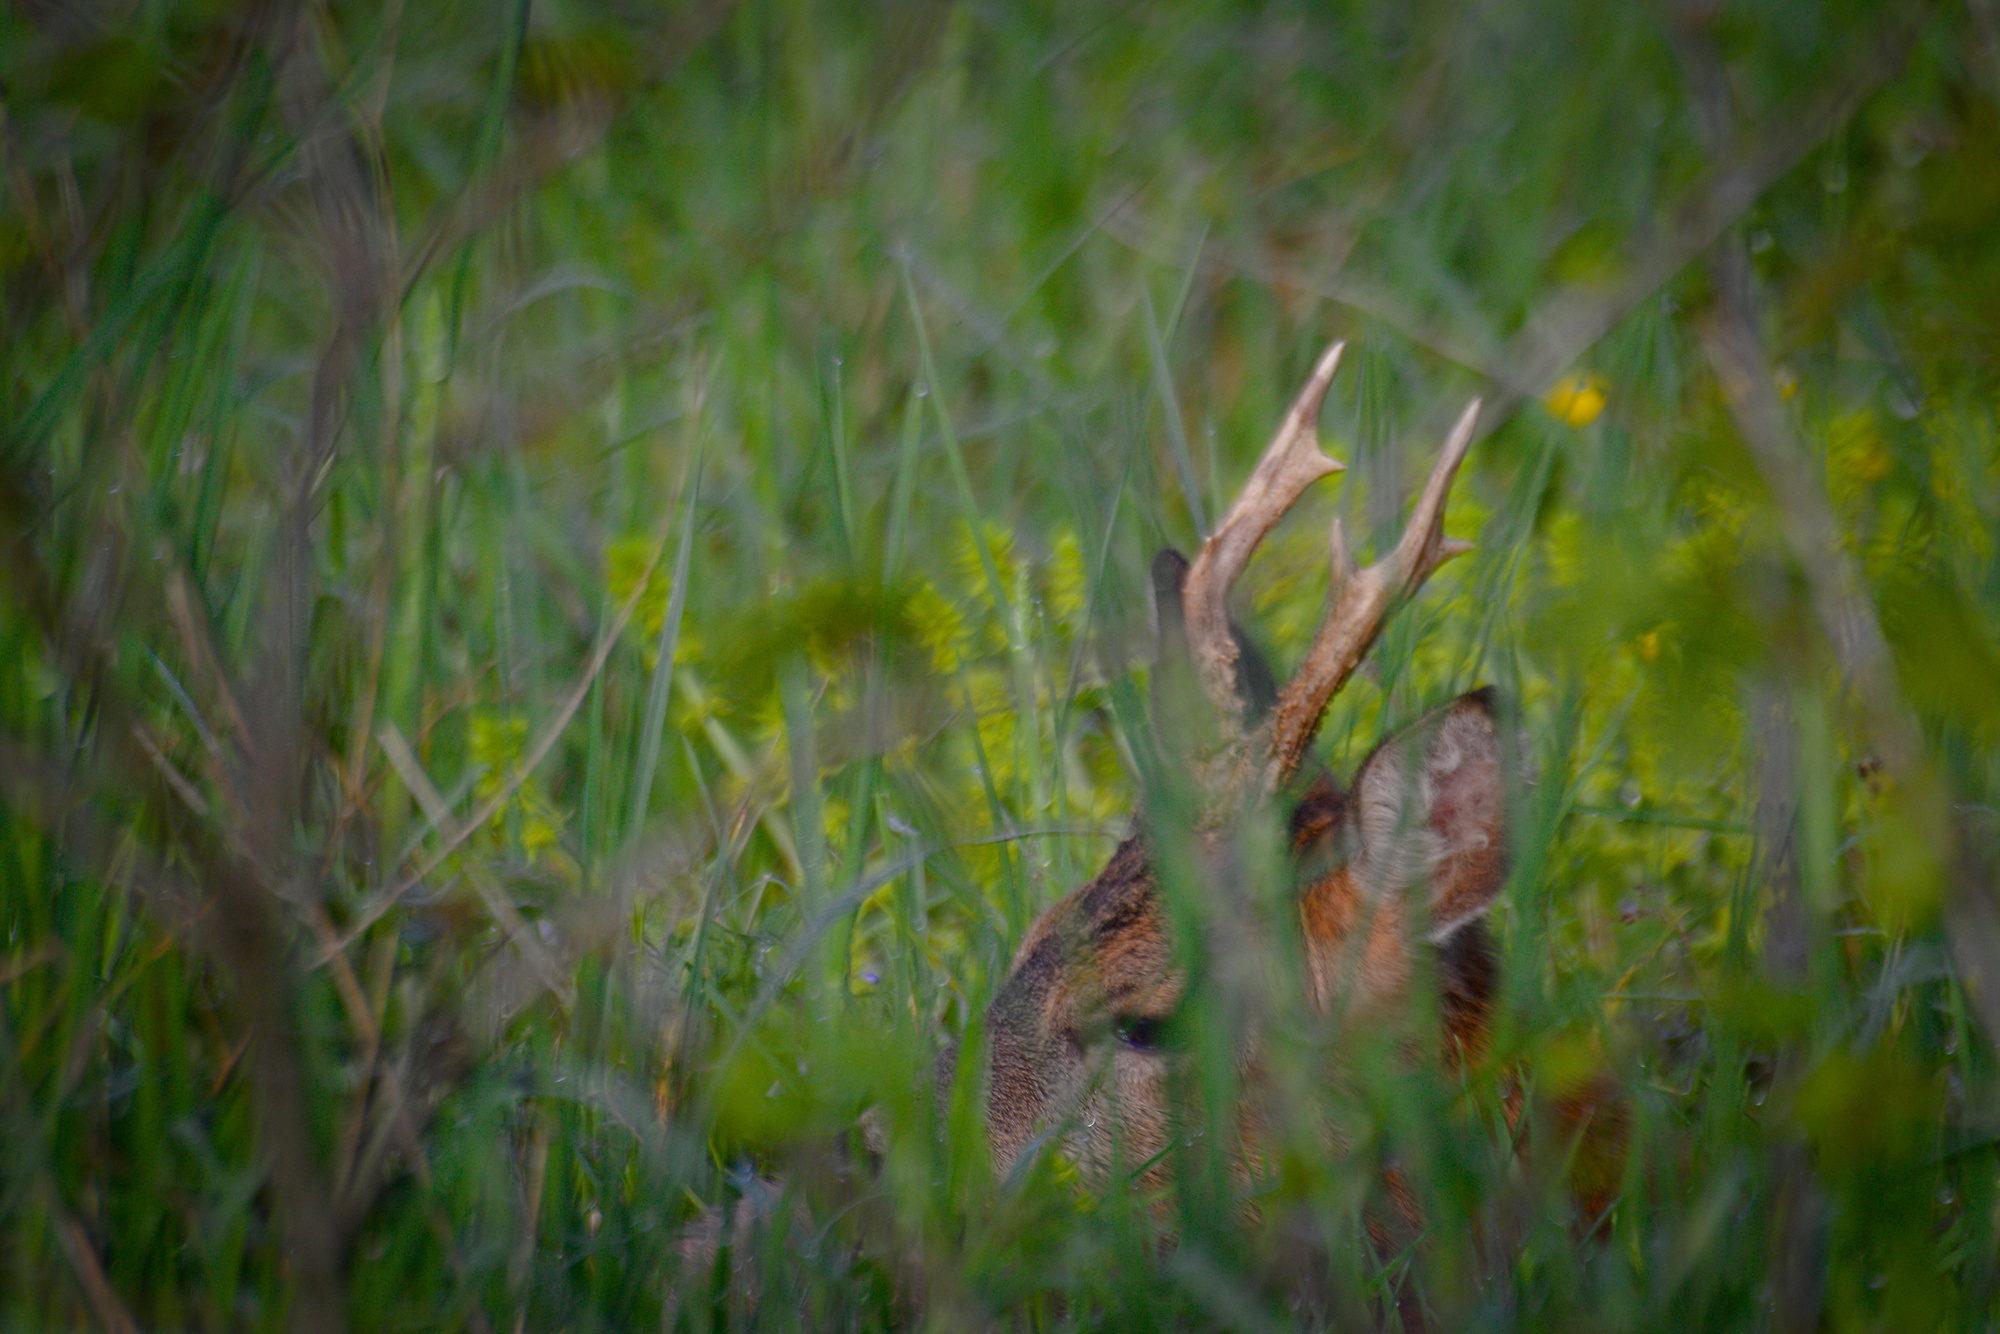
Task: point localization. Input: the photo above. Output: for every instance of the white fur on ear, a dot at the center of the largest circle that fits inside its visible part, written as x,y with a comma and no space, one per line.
1396,846
1430,805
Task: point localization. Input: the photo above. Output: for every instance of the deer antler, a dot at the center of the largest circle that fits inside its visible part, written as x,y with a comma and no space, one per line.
1291,463
1359,601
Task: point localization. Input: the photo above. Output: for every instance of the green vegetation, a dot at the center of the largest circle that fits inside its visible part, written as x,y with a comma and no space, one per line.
575,578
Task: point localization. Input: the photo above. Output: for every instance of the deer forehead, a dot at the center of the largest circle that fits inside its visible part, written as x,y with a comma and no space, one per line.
1103,948
1127,956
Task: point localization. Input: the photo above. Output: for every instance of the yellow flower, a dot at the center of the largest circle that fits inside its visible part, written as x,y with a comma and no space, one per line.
939,626
1576,399
540,831
624,563
1066,579
497,741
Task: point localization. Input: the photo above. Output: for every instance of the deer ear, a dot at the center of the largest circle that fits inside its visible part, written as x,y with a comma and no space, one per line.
1430,804
1255,685
1169,623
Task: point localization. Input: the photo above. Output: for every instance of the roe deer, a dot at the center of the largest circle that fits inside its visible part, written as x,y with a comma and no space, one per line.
1407,859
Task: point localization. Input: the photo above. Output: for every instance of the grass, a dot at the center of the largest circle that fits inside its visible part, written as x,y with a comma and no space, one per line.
576,581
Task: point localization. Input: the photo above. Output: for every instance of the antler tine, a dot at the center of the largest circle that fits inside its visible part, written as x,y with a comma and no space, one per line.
1291,463
1423,546
1358,603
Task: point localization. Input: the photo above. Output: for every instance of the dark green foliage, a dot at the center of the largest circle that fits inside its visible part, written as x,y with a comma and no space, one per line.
574,579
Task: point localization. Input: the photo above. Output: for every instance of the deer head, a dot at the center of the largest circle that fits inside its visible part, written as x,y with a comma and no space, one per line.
1407,858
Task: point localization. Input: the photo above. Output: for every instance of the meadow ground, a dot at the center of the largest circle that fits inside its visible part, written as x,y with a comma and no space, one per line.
575,578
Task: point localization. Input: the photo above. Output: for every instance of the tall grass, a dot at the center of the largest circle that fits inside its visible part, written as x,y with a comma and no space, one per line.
574,584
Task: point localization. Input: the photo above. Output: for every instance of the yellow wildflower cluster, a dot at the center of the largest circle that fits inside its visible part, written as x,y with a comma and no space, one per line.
1576,400
498,745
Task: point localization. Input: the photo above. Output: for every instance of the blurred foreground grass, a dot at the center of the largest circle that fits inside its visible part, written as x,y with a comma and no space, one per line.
573,583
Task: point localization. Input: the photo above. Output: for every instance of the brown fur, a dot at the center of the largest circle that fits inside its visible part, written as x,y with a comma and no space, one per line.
1407,860
1095,957
1393,875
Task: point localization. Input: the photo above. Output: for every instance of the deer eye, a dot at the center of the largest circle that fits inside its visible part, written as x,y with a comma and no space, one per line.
1143,1032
